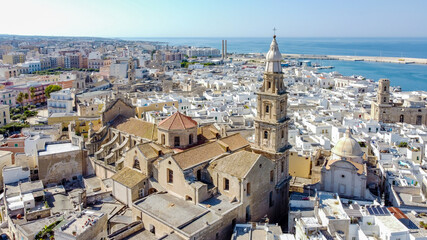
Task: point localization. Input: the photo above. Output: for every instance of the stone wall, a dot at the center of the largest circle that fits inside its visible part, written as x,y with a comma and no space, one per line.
55,167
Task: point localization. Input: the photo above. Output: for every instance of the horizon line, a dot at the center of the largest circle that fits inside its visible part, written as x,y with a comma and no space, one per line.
139,37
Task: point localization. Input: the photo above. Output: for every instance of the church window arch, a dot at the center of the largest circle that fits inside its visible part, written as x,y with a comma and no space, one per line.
136,163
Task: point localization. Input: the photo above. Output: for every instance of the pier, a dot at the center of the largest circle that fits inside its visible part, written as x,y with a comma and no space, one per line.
400,60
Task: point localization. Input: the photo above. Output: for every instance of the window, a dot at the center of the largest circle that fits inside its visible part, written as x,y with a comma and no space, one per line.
176,142
271,176
267,109
136,163
16,145
162,141
283,134
270,199
269,85
385,88
226,184
385,99
265,135
402,118
141,193
343,176
248,189
152,229
282,167
170,175
190,139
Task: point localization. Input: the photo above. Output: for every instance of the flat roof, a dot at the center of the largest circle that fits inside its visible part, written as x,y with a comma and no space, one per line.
58,148
174,211
391,223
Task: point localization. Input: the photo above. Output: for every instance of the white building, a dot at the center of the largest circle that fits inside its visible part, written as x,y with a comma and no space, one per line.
60,102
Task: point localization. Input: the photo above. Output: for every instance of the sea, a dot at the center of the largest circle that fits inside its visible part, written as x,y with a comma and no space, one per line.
410,77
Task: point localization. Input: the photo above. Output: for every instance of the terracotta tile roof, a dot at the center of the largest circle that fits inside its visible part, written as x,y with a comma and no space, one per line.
235,141
205,152
397,213
136,127
198,154
237,164
207,133
128,177
360,168
151,150
177,121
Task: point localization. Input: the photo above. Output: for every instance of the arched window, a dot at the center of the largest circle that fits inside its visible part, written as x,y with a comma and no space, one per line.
385,99
190,139
402,118
385,88
265,135
267,109
163,139
136,163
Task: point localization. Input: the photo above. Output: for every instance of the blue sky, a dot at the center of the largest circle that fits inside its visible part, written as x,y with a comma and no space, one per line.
215,18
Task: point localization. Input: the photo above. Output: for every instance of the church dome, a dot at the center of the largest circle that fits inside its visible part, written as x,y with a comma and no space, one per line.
347,146
273,58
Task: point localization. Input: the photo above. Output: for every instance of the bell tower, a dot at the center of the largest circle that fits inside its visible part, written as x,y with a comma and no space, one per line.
271,125
271,130
383,96
380,107
131,71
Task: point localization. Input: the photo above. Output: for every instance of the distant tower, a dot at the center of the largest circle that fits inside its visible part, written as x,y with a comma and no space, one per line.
271,128
131,71
222,49
383,96
225,49
381,107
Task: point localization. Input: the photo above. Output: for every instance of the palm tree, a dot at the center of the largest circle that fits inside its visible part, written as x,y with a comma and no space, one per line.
20,98
33,92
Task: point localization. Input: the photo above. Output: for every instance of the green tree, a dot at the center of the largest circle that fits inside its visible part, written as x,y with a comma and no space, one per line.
33,92
50,89
20,98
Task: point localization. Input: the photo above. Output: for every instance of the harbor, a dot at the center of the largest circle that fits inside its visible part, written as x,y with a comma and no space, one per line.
400,60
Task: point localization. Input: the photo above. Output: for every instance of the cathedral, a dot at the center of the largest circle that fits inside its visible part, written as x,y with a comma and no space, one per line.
412,110
195,181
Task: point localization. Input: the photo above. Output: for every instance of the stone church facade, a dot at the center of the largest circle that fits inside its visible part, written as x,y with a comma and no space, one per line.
412,110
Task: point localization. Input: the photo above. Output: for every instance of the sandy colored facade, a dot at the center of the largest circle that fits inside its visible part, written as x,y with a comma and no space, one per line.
299,165
412,111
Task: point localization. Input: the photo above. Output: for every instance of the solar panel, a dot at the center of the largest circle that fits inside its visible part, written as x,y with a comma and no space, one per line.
386,212
375,211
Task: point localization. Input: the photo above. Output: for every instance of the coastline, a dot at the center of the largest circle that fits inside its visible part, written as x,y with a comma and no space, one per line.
399,60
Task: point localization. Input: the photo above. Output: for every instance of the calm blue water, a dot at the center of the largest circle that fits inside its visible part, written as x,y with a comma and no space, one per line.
389,47
408,76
